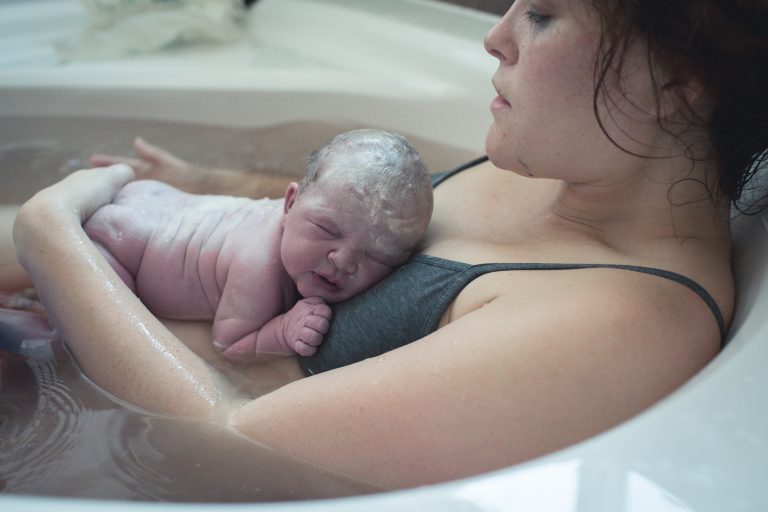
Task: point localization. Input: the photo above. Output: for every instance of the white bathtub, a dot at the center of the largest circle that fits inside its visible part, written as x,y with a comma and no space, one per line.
418,67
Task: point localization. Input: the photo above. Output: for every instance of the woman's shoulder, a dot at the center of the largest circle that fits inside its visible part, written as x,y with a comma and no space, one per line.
635,304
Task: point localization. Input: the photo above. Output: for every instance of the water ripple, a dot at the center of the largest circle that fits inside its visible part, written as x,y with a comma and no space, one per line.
40,417
60,436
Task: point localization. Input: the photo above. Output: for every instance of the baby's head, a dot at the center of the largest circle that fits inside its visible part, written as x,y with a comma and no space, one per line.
362,209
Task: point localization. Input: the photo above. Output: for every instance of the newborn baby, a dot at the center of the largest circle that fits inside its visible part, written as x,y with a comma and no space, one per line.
361,209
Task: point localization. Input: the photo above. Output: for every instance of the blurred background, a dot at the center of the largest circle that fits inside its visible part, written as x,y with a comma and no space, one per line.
493,6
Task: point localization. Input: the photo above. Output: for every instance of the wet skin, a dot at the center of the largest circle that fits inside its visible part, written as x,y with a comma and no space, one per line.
197,257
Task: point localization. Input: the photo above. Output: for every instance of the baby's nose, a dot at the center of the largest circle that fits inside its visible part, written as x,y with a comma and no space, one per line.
344,260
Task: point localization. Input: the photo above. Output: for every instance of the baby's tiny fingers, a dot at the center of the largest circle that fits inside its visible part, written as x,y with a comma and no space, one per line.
322,310
303,349
318,324
310,337
311,301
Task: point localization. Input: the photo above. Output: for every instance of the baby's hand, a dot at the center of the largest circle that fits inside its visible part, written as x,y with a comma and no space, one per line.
305,325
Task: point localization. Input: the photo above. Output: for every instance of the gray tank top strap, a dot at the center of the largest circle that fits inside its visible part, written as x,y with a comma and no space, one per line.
471,272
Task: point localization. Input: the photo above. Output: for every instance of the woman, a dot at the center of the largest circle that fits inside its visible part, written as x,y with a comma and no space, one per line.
611,143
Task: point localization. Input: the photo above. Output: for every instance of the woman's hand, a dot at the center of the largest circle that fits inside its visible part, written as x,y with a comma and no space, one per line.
115,339
154,163
158,164
82,192
65,205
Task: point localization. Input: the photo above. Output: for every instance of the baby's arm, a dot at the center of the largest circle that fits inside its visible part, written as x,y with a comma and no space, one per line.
251,322
298,331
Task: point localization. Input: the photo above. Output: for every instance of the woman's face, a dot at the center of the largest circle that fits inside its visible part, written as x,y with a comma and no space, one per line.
543,119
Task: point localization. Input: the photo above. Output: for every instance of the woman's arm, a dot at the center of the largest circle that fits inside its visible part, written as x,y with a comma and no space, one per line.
501,385
158,164
118,342
152,163
513,379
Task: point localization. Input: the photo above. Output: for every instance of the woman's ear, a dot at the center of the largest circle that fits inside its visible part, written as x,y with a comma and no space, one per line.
681,95
291,193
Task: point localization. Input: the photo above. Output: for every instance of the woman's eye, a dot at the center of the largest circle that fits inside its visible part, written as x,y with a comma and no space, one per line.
540,20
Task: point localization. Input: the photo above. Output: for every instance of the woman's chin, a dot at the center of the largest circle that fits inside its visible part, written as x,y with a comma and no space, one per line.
497,156
498,151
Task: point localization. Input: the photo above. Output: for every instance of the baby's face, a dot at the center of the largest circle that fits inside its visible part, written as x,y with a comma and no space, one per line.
334,247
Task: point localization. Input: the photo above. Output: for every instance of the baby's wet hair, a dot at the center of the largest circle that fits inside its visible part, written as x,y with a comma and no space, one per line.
384,165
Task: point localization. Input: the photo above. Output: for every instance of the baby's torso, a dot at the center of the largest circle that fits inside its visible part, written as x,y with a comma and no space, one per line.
180,247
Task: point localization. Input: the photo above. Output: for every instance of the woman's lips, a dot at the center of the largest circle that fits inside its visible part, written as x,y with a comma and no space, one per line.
499,103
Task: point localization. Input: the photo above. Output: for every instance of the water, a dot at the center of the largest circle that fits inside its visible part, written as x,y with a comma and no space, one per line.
35,152
59,434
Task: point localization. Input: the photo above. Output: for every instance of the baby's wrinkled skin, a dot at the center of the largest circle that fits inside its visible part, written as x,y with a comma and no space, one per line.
246,264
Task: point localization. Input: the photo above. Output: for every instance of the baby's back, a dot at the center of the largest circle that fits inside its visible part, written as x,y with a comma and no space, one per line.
178,247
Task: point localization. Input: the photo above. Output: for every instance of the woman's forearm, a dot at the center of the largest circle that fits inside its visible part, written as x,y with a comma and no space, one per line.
119,344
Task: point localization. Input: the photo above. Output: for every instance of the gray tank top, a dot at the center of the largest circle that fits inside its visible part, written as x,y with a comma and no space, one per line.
410,302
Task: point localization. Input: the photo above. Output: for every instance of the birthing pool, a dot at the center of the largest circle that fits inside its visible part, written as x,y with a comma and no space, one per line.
418,67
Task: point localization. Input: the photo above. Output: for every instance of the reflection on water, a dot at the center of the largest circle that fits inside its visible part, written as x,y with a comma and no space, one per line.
60,436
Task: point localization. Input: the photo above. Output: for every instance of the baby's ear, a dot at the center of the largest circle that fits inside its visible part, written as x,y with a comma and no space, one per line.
291,193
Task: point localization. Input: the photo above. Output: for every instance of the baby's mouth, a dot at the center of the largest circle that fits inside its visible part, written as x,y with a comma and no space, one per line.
329,283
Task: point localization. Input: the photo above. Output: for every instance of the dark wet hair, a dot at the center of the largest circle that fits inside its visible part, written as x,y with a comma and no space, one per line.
724,44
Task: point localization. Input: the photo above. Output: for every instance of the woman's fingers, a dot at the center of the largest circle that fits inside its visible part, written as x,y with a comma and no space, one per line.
91,189
84,191
154,154
160,160
104,160
62,208
153,162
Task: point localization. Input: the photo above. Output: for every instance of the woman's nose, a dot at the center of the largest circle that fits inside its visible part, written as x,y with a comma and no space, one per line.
344,260
499,41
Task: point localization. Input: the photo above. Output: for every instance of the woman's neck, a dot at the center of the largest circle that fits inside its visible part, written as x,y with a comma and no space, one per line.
665,200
